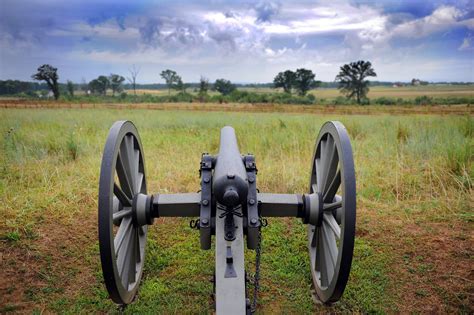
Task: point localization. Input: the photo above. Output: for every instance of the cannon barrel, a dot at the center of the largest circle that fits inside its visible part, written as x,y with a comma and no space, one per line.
230,184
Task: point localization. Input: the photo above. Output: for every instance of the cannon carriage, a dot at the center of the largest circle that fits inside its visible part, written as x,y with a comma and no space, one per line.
230,208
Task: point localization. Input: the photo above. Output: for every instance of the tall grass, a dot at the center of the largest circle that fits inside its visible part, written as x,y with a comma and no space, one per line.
408,167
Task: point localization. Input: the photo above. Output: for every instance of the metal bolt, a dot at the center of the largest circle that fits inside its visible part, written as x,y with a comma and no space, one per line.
205,202
204,221
230,175
253,221
206,179
251,179
252,201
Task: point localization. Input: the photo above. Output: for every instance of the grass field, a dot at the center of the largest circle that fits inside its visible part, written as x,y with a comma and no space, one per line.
414,239
405,92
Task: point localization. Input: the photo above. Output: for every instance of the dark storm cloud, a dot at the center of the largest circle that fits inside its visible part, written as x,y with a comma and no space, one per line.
266,10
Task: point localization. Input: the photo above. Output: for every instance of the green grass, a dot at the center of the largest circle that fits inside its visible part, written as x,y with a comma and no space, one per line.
412,171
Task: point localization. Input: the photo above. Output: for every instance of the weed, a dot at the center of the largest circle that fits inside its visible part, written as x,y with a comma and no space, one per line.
72,147
402,133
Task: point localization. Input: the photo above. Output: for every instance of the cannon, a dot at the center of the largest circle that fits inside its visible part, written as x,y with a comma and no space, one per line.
231,208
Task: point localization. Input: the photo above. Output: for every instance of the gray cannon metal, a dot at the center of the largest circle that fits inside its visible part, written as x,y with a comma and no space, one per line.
230,207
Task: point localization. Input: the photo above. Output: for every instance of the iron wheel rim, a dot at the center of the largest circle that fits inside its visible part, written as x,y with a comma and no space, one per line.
123,154
332,144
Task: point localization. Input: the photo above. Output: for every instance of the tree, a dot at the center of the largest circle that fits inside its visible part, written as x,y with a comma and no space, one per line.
203,88
99,85
70,87
285,80
171,78
181,86
304,81
49,74
116,83
352,77
223,86
134,71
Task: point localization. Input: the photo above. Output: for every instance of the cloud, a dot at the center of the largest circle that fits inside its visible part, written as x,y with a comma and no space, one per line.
466,44
443,18
266,10
241,36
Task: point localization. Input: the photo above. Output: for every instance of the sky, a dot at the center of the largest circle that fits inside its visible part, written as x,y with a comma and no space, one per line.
243,41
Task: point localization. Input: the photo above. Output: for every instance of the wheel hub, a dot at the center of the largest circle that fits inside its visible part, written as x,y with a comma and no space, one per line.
313,209
141,209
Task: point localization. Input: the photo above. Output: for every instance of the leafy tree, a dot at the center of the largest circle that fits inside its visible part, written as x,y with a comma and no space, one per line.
223,86
285,80
11,87
49,74
116,83
171,78
99,85
352,77
181,86
70,87
203,85
304,81
134,71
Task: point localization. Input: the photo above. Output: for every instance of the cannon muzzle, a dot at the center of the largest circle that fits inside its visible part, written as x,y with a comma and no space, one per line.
230,184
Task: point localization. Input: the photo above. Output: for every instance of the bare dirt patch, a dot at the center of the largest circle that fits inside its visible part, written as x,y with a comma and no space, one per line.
432,271
55,264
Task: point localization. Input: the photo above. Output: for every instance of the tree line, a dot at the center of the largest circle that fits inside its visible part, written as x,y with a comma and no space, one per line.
352,81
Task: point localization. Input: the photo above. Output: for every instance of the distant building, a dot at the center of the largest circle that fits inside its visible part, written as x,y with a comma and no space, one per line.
415,82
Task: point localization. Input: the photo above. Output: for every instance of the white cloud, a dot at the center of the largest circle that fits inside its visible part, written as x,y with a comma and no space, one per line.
466,44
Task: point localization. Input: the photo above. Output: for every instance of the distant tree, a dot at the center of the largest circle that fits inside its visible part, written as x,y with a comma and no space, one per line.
223,86
285,80
203,88
171,78
134,71
49,74
352,79
116,83
99,85
84,86
70,87
203,85
181,86
11,87
304,81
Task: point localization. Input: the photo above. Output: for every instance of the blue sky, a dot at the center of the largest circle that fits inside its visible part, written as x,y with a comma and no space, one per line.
244,41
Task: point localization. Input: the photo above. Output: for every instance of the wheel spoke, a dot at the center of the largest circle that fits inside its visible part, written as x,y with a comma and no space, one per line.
331,190
122,173
118,192
123,259
116,205
332,206
322,261
318,170
133,172
122,214
314,239
329,251
331,222
140,182
331,160
137,246
132,262
122,233
136,172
